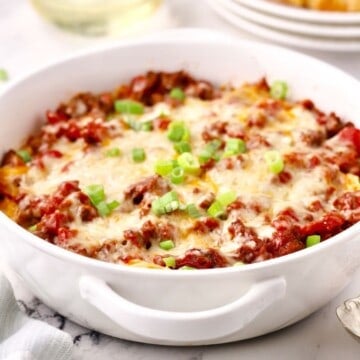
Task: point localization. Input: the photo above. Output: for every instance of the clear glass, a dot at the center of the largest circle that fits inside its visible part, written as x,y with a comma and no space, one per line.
97,17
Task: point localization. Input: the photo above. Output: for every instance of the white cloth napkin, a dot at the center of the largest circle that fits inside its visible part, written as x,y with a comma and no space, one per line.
22,338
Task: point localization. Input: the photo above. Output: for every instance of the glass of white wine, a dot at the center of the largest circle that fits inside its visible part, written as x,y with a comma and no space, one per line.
97,17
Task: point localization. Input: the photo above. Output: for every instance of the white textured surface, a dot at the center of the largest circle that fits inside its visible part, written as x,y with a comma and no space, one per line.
28,42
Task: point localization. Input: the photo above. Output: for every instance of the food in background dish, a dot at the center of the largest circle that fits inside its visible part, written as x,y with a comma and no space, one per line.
328,5
172,172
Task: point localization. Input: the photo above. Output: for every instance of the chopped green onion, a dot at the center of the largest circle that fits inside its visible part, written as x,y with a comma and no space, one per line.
189,163
3,75
226,198
166,203
170,261
216,157
216,209
163,167
278,90
204,157
177,94
132,123
32,228
169,196
182,146
193,211
213,145
312,240
146,126
129,107
186,136
172,206
274,161
113,205
96,193
178,132
138,155
25,155
185,267
114,152
234,146
166,245
177,175
209,151
103,209
238,263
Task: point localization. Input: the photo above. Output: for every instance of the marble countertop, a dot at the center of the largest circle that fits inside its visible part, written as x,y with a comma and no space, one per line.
28,42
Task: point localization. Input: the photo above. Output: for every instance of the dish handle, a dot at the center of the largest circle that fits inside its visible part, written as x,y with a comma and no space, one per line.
191,327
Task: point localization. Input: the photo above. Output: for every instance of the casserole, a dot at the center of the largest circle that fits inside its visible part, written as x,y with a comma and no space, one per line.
182,308
224,176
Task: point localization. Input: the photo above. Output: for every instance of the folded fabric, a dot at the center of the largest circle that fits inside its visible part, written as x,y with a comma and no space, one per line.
22,338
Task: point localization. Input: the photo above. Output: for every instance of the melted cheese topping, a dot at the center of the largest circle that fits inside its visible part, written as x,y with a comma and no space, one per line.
249,176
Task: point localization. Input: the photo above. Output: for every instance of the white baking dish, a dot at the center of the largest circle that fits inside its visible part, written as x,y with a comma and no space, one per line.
178,307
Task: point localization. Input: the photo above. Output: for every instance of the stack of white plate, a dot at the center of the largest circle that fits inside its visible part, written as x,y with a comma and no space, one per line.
287,25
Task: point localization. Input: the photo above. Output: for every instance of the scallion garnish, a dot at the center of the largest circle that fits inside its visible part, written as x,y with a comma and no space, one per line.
189,163
238,263
178,132
278,90
274,161
182,146
97,197
103,209
234,146
216,209
185,267
95,193
132,123
3,75
138,155
163,167
32,228
146,126
177,175
193,211
114,152
226,198
129,107
177,94
25,155
209,152
113,205
170,261
312,240
166,203
166,245
172,206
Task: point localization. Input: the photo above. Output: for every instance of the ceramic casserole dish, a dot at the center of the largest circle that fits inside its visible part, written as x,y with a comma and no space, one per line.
179,307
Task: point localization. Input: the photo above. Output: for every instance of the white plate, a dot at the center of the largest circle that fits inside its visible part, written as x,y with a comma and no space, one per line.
285,38
289,25
303,14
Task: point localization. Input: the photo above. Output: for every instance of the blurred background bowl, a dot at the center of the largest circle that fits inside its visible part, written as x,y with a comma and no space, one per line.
97,17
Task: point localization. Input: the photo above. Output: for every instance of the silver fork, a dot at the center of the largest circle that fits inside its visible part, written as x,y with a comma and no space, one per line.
349,315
